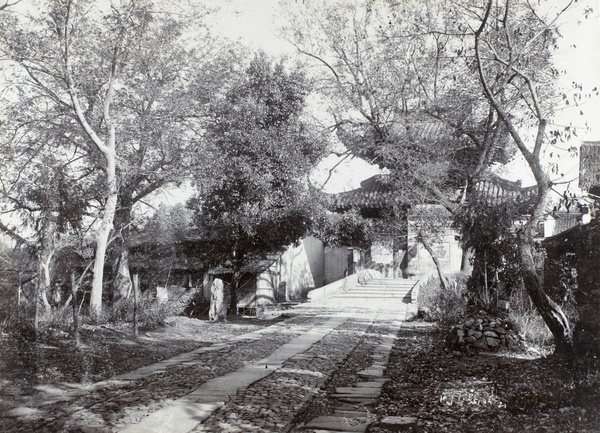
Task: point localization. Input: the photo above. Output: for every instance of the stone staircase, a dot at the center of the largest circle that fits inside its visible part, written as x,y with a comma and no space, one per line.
398,289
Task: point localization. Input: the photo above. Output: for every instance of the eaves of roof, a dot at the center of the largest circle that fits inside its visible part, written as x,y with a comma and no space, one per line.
565,221
374,192
494,190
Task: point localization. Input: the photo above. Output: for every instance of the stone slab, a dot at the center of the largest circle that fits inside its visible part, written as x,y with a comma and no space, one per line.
357,392
350,413
339,424
364,401
371,372
330,431
399,423
370,384
25,412
181,416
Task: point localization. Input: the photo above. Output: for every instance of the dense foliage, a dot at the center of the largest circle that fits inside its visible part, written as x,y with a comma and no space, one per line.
348,229
254,197
491,236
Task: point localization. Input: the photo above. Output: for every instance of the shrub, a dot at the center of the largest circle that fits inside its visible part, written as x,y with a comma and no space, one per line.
14,316
528,321
532,328
59,318
150,313
444,306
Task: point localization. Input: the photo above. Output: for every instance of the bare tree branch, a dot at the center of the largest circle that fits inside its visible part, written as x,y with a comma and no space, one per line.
8,4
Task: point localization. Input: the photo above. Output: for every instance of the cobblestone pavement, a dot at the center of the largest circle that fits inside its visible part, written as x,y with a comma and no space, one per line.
270,404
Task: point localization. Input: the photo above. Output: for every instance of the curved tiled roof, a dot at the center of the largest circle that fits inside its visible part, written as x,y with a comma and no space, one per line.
495,190
374,192
377,192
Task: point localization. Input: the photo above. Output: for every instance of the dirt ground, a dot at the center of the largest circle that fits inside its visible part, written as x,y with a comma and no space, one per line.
451,391
53,361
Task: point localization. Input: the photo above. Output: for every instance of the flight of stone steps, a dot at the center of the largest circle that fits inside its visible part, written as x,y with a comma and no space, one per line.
393,289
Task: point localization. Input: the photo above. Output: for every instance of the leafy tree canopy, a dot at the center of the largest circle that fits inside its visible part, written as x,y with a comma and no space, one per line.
255,198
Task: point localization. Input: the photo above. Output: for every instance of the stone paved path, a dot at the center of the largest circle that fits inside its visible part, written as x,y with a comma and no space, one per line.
256,382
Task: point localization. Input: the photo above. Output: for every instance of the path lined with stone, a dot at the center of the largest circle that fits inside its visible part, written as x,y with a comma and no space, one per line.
353,403
255,382
184,414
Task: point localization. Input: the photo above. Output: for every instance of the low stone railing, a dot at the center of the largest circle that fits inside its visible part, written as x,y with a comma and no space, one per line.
333,288
423,279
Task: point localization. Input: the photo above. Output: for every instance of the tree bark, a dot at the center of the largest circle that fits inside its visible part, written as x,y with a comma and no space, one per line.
438,266
122,282
550,311
45,282
235,283
46,252
36,304
75,312
104,231
466,267
136,288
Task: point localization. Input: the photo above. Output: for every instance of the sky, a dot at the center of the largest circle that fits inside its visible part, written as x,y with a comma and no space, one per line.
255,23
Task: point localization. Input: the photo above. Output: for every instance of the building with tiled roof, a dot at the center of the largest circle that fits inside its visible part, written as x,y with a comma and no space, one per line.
374,192
494,190
395,252
560,221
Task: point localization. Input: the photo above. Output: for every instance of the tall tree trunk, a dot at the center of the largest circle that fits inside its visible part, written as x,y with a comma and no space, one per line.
466,267
136,288
235,283
107,148
122,282
36,305
395,255
550,311
46,252
45,282
75,310
552,314
104,231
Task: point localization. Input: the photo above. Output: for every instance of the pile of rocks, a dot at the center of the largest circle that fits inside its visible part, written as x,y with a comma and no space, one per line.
485,334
